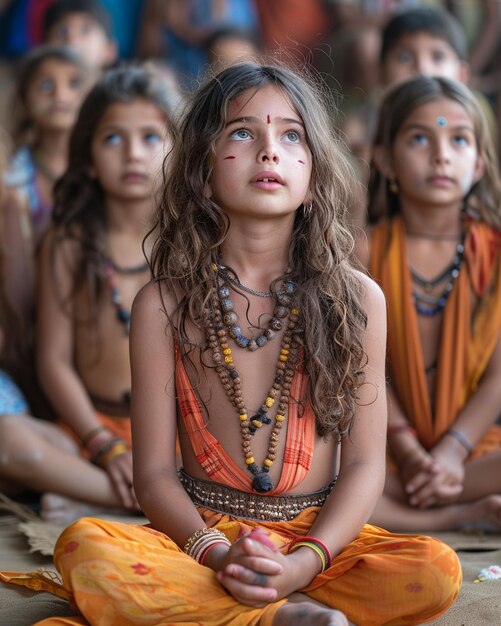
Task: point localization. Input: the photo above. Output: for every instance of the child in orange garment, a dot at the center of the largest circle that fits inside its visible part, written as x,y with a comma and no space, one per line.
435,249
263,348
91,267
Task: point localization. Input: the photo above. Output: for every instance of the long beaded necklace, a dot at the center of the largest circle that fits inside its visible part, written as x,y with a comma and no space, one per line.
230,319
222,355
430,305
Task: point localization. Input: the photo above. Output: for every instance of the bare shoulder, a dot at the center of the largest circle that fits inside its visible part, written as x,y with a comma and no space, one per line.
362,249
153,308
153,298
373,294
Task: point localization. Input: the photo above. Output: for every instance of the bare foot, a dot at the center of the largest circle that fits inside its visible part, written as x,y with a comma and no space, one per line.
60,510
484,514
301,610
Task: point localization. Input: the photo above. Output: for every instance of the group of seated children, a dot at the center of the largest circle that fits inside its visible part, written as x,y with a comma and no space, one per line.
275,515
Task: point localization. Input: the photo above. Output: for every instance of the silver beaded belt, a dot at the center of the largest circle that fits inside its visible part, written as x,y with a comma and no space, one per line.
252,506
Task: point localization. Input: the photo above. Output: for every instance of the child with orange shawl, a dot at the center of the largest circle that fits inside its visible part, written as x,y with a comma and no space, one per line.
281,416
435,251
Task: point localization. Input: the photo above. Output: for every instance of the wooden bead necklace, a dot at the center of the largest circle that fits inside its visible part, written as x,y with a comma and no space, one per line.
222,356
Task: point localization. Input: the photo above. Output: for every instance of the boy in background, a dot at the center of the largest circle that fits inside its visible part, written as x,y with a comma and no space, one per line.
84,25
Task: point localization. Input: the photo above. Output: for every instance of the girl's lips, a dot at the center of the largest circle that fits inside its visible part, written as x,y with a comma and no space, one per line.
268,176
268,181
442,181
134,177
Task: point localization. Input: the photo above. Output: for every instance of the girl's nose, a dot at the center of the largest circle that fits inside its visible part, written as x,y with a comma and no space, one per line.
442,153
268,151
134,148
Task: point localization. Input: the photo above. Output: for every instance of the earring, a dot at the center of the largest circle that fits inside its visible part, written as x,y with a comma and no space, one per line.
393,186
307,209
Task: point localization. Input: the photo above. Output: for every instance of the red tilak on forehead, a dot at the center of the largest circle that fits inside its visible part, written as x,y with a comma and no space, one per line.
268,119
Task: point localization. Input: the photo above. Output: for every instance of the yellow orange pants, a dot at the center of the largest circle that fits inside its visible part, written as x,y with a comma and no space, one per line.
122,574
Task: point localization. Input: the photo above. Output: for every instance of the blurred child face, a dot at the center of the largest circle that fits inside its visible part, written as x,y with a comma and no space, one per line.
128,149
434,157
82,33
54,95
263,164
422,53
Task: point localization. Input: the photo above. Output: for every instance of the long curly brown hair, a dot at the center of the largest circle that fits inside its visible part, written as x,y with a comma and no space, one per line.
191,228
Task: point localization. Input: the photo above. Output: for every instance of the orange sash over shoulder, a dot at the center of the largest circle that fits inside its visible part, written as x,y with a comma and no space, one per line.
215,461
467,342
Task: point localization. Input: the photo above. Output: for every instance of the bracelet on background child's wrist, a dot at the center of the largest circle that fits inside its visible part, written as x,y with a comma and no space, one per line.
112,448
314,544
462,438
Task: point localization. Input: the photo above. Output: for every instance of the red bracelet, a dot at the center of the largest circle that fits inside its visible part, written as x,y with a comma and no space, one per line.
394,428
317,542
209,548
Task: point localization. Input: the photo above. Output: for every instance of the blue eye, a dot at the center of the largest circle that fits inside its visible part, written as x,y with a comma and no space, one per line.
461,140
46,85
419,139
151,138
112,139
292,136
240,135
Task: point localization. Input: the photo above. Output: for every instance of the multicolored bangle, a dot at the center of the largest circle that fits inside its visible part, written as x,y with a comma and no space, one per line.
112,448
198,544
316,545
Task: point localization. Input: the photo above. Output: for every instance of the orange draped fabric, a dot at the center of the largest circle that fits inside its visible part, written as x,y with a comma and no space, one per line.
123,574
220,467
467,340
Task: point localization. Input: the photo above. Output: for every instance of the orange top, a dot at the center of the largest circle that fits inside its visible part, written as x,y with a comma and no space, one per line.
467,340
220,467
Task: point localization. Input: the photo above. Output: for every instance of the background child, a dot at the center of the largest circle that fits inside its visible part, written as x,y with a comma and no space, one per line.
91,267
435,250
85,26
251,229
51,85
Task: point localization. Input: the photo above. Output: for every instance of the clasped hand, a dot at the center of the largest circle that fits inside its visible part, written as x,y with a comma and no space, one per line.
431,478
255,575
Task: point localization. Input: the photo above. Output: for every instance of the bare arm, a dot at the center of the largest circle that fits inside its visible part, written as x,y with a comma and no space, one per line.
159,492
482,409
55,339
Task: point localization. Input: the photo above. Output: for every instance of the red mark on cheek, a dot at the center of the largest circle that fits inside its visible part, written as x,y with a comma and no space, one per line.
228,157
299,161
268,121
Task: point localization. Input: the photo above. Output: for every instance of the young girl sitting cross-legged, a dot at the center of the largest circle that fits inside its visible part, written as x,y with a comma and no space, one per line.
263,350
435,249
91,267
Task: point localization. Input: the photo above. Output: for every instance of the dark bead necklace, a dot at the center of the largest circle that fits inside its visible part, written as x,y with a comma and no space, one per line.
123,315
281,311
430,305
217,339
